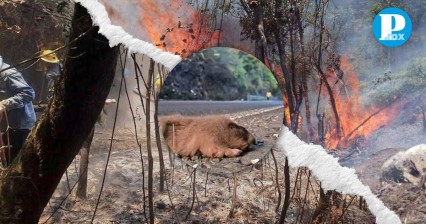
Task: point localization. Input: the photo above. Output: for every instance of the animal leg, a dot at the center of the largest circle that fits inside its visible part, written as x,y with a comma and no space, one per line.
232,152
219,152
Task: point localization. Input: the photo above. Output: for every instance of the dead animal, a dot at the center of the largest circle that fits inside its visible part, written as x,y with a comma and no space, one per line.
210,136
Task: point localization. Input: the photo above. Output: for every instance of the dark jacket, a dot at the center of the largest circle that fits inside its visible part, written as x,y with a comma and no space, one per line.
16,96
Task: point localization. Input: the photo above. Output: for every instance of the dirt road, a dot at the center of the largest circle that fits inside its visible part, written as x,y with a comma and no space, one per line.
212,107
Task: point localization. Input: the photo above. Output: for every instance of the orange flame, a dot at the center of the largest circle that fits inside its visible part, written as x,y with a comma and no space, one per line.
355,118
174,33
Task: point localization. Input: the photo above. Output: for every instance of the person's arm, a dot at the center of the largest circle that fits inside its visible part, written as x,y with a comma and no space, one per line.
22,93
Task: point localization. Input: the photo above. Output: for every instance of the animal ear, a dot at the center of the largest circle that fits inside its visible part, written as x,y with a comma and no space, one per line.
232,125
176,123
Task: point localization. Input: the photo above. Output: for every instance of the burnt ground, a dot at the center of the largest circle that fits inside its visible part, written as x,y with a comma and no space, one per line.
257,196
406,130
406,199
122,197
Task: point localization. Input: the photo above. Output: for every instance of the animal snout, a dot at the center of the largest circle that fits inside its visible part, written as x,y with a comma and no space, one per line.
259,142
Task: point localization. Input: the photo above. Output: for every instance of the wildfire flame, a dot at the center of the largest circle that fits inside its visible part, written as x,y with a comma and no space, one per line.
355,119
174,33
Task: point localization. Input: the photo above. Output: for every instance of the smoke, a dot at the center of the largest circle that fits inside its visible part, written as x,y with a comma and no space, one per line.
150,20
381,70
387,76
129,101
356,38
127,16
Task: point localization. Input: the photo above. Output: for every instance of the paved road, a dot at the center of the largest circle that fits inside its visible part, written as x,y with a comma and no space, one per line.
212,107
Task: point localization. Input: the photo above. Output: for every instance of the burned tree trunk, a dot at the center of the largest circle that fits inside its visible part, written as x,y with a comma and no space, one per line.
57,137
158,142
261,44
84,165
148,140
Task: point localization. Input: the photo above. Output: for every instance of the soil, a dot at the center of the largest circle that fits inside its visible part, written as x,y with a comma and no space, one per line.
406,131
406,199
257,194
122,195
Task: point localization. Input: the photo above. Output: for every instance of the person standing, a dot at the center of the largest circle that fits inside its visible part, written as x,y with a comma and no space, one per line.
52,70
17,114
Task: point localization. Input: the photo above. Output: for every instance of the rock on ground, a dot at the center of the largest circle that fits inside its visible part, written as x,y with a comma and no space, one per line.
406,166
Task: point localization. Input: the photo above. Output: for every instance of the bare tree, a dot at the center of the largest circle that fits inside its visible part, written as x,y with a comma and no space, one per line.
148,140
84,166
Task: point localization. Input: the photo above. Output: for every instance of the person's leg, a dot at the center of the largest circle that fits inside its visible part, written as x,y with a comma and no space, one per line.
17,139
3,151
7,151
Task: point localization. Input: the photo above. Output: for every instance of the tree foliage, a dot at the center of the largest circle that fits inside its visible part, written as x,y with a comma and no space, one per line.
219,74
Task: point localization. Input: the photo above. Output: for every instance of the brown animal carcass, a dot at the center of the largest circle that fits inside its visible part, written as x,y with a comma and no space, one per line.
211,136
